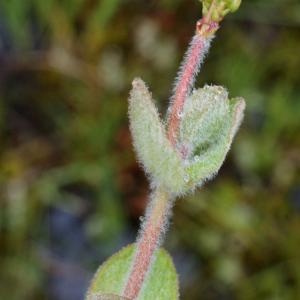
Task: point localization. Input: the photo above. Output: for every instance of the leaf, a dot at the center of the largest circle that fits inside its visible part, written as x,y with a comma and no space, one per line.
161,282
204,114
153,149
207,164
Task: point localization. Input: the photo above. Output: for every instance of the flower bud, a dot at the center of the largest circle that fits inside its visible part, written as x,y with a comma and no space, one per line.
221,8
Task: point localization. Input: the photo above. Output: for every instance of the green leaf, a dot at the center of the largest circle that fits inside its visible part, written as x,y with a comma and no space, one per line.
204,114
161,283
208,162
160,160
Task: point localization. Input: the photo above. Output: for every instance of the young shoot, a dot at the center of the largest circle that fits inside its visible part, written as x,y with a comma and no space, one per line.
178,156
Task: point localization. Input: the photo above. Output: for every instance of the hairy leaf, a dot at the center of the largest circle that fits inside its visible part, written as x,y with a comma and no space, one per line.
160,160
204,115
208,162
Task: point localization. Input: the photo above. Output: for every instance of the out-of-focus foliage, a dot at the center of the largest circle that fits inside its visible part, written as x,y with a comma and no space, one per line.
71,190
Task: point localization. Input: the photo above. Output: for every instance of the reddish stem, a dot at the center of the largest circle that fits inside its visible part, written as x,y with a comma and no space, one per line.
199,46
148,243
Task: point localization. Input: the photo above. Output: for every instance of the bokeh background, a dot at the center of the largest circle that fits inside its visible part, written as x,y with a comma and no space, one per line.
71,191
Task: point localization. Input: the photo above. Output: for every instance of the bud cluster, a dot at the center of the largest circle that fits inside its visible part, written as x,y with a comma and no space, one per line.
220,8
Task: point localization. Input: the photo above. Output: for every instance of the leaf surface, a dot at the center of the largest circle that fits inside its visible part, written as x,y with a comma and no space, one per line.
161,282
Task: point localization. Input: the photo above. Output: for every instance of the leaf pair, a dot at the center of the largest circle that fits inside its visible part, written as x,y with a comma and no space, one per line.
209,121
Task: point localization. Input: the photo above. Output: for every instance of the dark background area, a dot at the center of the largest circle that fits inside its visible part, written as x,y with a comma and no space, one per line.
71,192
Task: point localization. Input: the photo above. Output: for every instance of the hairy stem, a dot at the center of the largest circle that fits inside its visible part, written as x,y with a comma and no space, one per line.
158,210
194,57
152,230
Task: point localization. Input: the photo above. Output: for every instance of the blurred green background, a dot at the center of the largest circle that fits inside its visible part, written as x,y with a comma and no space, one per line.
71,190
